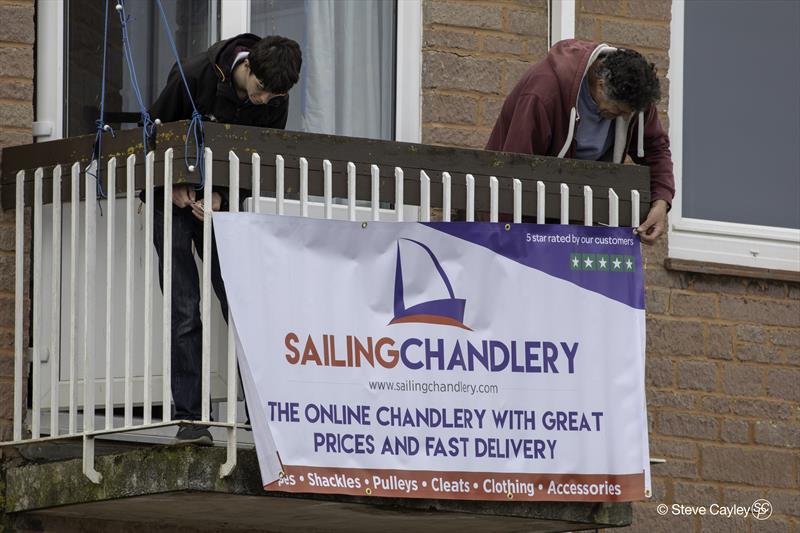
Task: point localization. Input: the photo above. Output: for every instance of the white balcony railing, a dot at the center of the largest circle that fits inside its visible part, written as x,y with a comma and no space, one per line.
99,318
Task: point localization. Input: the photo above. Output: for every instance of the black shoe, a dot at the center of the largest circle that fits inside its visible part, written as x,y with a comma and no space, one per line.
194,435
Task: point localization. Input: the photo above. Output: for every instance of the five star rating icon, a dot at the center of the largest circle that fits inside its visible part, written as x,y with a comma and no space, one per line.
601,262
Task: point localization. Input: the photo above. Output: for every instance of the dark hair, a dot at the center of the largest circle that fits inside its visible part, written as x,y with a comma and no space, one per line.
629,78
276,62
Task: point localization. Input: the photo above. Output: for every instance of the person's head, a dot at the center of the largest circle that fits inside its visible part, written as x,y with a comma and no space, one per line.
624,82
273,67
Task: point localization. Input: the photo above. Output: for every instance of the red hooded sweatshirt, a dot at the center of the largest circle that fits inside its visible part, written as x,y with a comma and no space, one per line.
539,117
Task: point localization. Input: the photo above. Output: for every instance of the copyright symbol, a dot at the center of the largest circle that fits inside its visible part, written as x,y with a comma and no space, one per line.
662,509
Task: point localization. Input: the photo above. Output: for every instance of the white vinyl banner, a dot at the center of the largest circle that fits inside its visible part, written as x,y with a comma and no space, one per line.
480,361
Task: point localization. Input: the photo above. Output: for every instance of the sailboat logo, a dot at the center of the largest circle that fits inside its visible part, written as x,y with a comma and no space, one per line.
445,311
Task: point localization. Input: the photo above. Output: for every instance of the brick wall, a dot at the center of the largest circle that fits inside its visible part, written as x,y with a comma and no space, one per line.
473,54
16,115
723,354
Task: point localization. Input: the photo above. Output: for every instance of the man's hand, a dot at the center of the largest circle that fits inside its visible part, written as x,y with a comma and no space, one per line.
183,195
197,207
655,224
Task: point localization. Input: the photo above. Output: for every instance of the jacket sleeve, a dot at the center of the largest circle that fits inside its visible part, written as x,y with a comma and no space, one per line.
524,127
657,156
172,104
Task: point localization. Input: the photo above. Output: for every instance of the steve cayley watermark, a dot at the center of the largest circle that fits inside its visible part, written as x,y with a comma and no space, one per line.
760,509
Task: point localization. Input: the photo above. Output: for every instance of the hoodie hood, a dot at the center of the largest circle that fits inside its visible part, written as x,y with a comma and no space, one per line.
223,53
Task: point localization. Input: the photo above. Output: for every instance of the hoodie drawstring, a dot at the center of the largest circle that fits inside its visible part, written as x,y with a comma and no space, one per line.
572,114
640,147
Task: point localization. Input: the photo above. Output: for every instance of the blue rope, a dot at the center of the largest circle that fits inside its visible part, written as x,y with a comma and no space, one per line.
196,124
100,124
148,126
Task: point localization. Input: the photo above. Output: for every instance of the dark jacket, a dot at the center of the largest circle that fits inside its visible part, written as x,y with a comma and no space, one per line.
209,78
540,114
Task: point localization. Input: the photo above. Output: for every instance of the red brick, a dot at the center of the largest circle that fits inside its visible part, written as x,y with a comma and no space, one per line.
659,372
634,34
525,22
693,305
439,38
449,109
735,430
758,467
463,14
720,342
672,337
697,375
769,312
656,300
688,425
449,71
784,383
777,434
17,26
742,380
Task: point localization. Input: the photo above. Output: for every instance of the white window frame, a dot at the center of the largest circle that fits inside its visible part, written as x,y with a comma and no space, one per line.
561,20
234,19
715,241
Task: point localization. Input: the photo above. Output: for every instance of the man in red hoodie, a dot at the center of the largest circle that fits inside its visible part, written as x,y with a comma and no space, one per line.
596,102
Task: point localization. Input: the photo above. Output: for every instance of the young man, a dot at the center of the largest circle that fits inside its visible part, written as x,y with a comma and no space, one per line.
592,101
243,80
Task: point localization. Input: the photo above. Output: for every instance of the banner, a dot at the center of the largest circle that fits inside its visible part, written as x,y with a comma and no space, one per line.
475,361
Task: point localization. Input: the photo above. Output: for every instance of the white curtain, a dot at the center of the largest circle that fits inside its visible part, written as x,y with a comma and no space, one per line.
347,81
348,68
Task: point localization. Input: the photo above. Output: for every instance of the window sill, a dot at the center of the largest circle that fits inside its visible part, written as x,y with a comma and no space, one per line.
704,267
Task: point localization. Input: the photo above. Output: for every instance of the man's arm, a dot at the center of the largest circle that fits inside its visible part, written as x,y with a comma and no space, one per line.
172,104
658,157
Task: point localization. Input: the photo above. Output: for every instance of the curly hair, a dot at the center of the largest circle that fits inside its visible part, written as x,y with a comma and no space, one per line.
276,63
629,78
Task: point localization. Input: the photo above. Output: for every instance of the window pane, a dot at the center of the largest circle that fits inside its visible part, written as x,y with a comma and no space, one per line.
194,25
347,80
741,116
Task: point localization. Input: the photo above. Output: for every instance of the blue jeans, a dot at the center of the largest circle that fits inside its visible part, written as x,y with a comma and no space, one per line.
186,320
